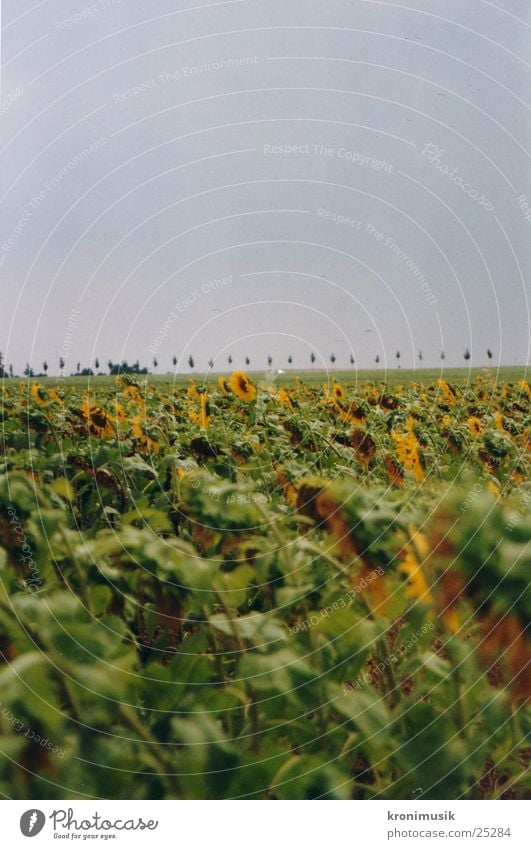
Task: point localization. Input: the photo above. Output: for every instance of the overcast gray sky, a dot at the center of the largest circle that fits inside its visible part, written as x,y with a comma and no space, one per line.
265,176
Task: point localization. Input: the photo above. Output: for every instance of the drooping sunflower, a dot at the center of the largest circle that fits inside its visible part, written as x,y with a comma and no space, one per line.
120,414
99,422
338,393
132,393
412,555
499,422
202,418
139,432
242,386
448,392
407,449
223,385
192,390
475,426
284,399
43,397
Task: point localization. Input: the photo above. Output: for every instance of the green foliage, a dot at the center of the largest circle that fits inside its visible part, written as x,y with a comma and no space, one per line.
206,595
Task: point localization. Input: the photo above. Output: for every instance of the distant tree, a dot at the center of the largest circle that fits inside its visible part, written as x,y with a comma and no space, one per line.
121,368
28,371
332,358
229,359
85,372
489,353
155,362
11,372
191,361
78,367
377,358
2,369
96,363
443,355
61,364
397,355
421,356
247,361
211,363
312,358
466,355
270,361
290,359
352,359
174,361
45,367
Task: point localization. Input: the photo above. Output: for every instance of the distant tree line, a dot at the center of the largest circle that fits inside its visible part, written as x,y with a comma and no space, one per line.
124,367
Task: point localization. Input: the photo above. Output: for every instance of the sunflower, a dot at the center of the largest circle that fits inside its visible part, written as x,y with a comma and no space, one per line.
338,393
139,432
284,399
475,426
99,422
242,386
39,395
416,580
409,455
132,393
202,418
119,412
448,392
499,422
223,385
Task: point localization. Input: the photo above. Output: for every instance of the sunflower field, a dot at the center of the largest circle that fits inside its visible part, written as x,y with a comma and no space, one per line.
245,590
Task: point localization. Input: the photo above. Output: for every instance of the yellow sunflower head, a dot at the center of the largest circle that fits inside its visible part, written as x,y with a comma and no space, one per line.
99,422
39,395
242,386
475,426
284,399
417,586
338,392
146,442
